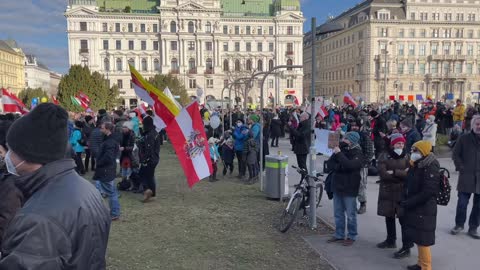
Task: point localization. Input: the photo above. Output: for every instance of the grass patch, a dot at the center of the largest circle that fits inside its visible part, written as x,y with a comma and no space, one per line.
221,225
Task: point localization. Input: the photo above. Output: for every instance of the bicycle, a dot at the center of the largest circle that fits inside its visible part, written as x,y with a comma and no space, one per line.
300,198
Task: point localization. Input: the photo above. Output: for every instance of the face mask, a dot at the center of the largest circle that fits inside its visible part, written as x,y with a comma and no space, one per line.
239,124
12,169
398,151
415,156
343,145
429,121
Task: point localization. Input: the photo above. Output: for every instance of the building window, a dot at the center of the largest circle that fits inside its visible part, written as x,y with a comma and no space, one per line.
436,16
260,46
459,33
270,30
289,30
412,16
120,84
400,68
237,30
105,27
423,16
248,30
226,65
270,47
83,26
191,64
173,45
144,64
118,44
156,65
460,17
191,45
411,49
130,27
446,49
143,45
290,83
237,65
458,49
84,45
225,29
208,46
446,68
209,83
259,30
448,16
289,63
174,65
434,49
208,27
469,68
411,68
423,48
401,49
270,64
131,62
470,33
471,17
119,64
142,28
237,46
173,27
106,64
383,32
260,65
433,68
209,65
421,68
155,45
248,65
470,49
105,44
290,48
155,28
423,33
401,33
248,46
117,27
225,46
411,33
130,45
383,15
191,27
435,33
458,68
447,33
270,84
192,83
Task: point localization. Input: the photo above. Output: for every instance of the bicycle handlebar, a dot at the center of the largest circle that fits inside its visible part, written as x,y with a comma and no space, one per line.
304,172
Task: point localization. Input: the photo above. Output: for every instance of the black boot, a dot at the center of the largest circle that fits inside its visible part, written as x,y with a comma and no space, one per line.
402,253
387,244
414,267
473,233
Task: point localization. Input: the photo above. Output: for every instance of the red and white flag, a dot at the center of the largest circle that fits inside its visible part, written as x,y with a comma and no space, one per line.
296,101
323,112
348,99
55,100
83,97
12,104
187,135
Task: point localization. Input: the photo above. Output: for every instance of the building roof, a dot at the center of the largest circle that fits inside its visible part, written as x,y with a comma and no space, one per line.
251,8
137,6
5,46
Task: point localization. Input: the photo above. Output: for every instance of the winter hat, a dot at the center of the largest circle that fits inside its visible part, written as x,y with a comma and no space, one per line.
88,118
102,111
407,123
353,137
432,118
255,118
148,123
424,147
41,135
128,124
373,113
396,138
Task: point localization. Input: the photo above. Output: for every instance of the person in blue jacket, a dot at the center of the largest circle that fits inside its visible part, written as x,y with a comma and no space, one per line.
78,148
240,134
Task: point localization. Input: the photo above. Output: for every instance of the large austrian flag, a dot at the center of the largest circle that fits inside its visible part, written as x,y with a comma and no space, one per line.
188,137
12,104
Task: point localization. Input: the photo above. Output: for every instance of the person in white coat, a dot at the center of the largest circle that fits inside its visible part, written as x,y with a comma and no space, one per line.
430,131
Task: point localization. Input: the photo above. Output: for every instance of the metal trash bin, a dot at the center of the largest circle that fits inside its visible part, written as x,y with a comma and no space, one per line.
275,185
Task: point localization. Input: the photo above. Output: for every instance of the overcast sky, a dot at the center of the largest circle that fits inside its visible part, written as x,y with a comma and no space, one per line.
40,27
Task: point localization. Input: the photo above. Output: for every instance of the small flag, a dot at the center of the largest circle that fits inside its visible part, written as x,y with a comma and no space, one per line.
83,97
12,104
296,101
55,100
348,99
75,101
323,112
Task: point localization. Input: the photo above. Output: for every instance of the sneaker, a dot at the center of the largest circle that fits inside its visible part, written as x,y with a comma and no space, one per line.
402,253
348,242
362,209
333,239
473,233
386,244
147,195
456,230
414,267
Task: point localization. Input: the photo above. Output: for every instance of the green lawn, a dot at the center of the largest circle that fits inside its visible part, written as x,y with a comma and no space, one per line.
221,225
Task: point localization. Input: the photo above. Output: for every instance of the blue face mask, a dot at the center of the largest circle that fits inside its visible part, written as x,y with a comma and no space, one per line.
11,168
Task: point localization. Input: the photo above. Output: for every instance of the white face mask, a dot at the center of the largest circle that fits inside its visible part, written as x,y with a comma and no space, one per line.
398,151
11,168
239,124
415,156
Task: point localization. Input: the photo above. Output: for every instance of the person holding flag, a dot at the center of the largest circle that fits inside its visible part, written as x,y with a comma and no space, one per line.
149,153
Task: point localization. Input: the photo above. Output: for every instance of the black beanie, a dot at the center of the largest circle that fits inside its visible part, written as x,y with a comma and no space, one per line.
148,123
41,135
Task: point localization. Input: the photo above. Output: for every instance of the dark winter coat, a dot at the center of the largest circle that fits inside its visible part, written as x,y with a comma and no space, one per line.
391,184
228,153
366,144
11,201
62,225
380,126
466,156
128,142
106,162
95,141
346,167
149,148
275,128
302,138
412,136
420,204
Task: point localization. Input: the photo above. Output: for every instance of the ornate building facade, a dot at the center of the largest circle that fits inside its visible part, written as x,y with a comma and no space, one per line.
402,49
12,70
206,43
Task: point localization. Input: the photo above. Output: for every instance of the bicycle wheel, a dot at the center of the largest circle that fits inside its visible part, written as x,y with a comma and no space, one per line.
318,194
289,215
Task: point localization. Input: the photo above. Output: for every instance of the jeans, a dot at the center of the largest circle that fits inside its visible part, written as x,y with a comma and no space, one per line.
126,172
345,205
109,189
147,174
392,232
242,163
461,216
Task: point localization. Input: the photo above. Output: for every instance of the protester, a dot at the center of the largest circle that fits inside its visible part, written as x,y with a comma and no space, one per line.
240,134
63,223
87,130
410,133
126,149
430,132
459,113
275,130
214,156
149,153
251,149
302,140
420,204
379,128
136,123
228,154
346,163
76,140
94,142
106,169
393,165
466,162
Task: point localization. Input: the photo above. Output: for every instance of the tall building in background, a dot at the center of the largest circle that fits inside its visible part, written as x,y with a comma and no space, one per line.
12,70
37,75
205,43
402,49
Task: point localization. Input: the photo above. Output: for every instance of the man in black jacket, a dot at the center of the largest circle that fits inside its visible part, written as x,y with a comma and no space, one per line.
149,152
63,223
379,128
302,136
346,162
106,169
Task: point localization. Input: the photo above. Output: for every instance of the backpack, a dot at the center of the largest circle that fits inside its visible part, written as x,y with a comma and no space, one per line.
443,195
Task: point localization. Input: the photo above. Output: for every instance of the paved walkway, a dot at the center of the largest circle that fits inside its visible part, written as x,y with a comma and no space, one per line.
450,253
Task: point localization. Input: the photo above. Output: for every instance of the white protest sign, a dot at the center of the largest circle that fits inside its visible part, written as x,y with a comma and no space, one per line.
321,142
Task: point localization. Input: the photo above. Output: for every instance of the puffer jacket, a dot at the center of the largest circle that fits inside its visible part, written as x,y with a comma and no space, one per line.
240,137
62,225
75,138
392,169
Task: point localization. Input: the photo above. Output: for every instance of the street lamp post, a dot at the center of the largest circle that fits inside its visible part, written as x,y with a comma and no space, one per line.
385,75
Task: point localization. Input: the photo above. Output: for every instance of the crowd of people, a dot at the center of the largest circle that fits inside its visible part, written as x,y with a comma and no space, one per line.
43,151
